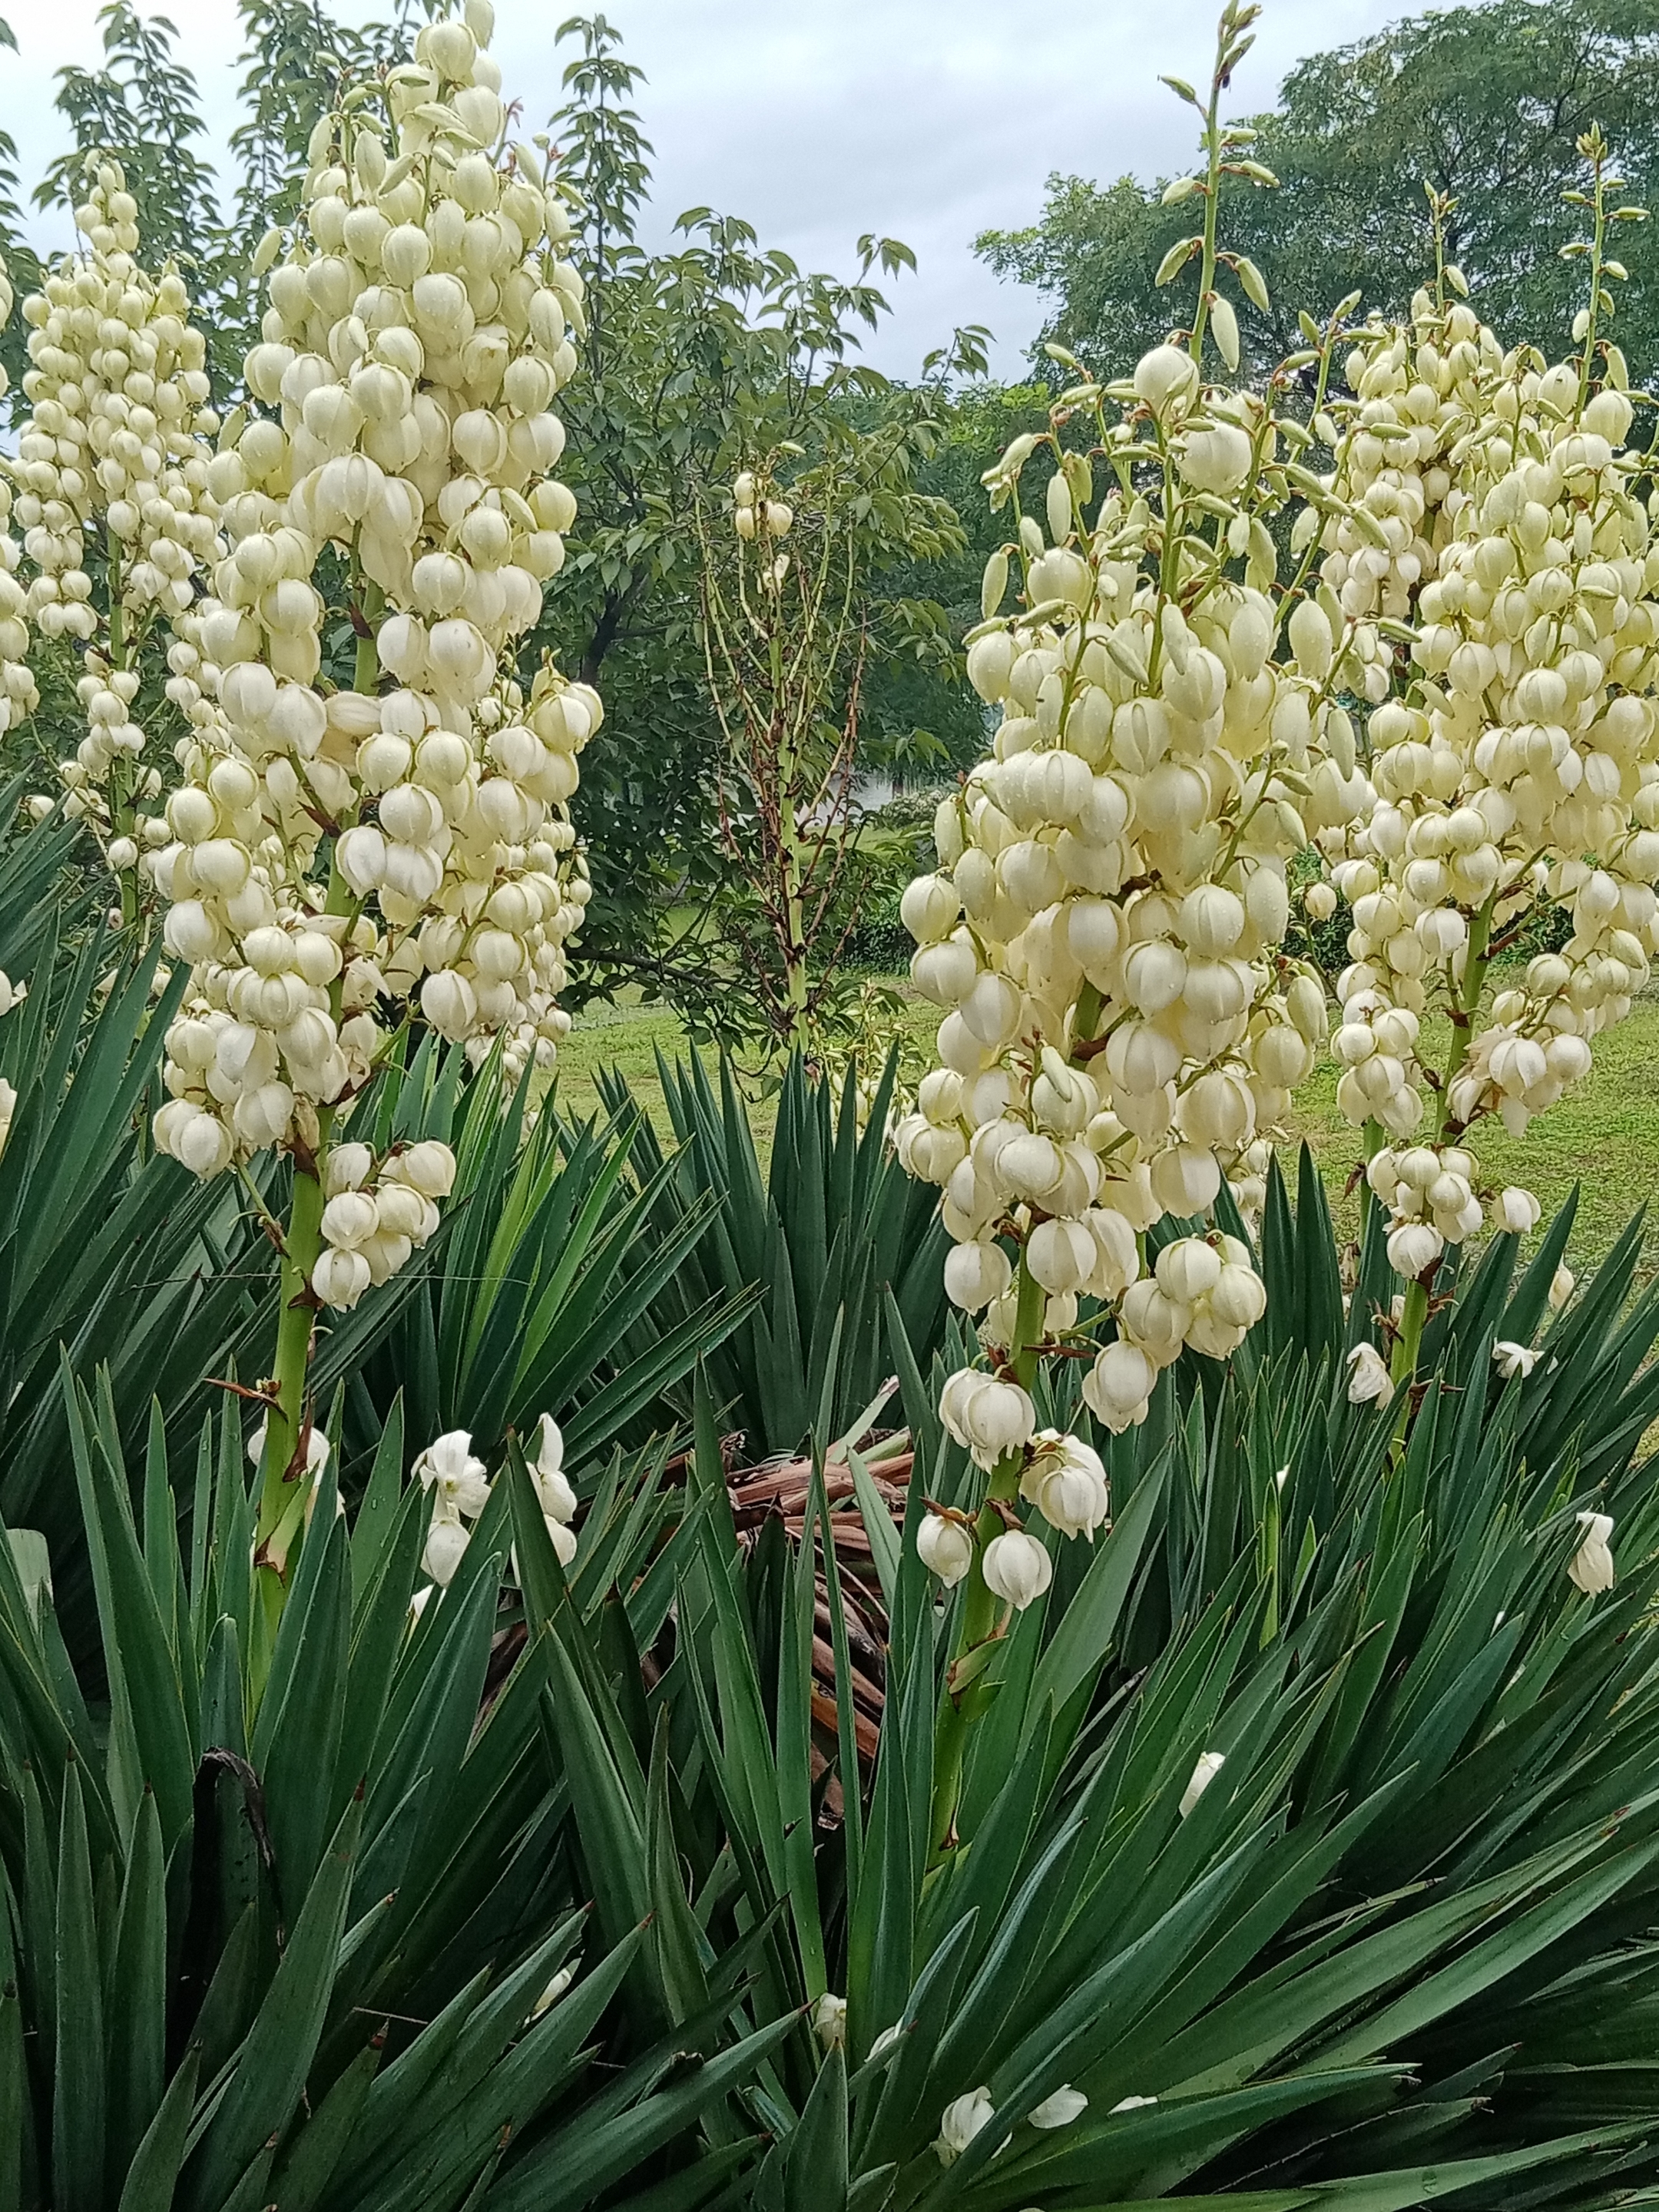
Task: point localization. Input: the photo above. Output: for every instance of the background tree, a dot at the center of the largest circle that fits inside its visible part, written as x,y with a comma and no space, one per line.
1484,104
698,359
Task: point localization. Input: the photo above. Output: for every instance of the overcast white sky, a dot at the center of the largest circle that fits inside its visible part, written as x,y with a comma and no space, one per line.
928,120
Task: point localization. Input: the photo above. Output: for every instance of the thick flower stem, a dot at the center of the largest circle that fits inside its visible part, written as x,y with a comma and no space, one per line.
301,1242
1415,1312
978,1619
283,1464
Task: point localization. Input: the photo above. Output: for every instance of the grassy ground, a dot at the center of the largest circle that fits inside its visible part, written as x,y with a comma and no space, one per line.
1604,1136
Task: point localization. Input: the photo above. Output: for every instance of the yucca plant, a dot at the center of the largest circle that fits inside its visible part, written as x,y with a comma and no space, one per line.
107,1254
545,1290
538,1295
38,885
826,1227
306,1923
1307,1846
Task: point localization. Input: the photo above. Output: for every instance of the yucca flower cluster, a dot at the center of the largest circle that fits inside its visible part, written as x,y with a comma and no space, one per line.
19,693
417,333
340,858
1516,767
111,495
460,1486
1105,930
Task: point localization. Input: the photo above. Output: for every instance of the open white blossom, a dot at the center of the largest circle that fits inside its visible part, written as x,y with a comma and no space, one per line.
555,1989
1513,1360
553,1491
1066,1480
961,2121
460,1491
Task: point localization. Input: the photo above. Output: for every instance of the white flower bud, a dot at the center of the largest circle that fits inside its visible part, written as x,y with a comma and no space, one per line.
961,2122
339,1280
1413,1247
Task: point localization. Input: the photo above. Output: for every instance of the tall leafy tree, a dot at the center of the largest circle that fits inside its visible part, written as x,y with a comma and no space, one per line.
699,361
1484,105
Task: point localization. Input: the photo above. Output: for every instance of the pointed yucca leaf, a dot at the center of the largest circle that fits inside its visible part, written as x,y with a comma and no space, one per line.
269,2078
397,2093
699,2184
297,1737
607,1817
795,1738
1080,1642
888,2123
1253,2023
483,2089
751,1768
15,2114
434,1706
1171,2140
78,2085
152,2178
136,2017
39,1915
378,1639
222,1724
851,1774
310,2157
878,1524
815,2171
376,1515
1487,1962
588,2159
539,2065
147,1717
43,1732
676,1938
232,1994
643,1381
160,1530
253,2193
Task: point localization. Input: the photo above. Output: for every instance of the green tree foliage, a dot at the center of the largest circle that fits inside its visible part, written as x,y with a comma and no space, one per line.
699,361
1483,103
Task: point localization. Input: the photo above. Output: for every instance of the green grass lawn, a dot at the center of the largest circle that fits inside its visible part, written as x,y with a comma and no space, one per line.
1604,1136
